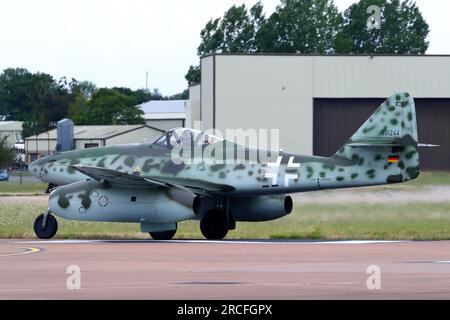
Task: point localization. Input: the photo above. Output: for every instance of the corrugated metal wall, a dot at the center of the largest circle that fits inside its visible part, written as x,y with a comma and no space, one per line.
266,92
335,120
193,106
277,91
207,92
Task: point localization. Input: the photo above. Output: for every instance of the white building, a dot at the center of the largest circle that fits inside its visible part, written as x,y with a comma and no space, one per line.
164,114
193,106
318,101
11,129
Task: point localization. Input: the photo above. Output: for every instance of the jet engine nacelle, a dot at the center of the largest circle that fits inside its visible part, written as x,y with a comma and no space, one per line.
262,208
96,201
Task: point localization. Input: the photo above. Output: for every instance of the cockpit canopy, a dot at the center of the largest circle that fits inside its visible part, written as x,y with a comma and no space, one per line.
186,137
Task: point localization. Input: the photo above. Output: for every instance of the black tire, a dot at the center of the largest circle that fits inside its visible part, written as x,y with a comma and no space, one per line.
214,225
50,187
163,235
51,227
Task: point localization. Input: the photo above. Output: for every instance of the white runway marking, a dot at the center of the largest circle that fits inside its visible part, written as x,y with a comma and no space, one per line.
59,241
442,261
27,251
361,241
291,242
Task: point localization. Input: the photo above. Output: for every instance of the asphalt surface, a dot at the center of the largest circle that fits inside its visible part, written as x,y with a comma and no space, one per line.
224,269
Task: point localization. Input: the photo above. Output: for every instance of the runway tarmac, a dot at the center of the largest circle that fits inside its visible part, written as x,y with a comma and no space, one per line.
224,269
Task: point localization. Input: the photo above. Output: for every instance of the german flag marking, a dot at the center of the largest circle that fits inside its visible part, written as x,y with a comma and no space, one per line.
393,159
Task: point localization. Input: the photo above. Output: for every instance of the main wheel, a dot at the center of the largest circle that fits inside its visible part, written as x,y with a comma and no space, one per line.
214,225
163,235
50,229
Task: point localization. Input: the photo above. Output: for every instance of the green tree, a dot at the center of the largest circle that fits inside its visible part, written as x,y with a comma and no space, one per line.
157,95
7,154
48,103
142,96
235,32
315,27
296,26
109,107
193,75
35,98
403,29
139,95
301,26
16,85
87,88
80,93
180,96
78,105
305,26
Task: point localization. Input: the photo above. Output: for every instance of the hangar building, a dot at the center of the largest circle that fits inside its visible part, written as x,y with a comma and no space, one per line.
11,129
318,101
164,114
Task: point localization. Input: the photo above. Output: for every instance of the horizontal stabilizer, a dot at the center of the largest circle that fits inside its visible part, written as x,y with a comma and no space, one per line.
428,145
374,142
371,144
361,144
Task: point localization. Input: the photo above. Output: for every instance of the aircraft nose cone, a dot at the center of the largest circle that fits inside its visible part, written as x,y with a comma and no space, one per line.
37,168
34,168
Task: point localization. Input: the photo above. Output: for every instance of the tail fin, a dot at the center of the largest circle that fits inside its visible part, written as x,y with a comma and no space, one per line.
389,134
392,123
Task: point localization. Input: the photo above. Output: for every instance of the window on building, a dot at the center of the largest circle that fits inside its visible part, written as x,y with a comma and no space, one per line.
33,157
90,145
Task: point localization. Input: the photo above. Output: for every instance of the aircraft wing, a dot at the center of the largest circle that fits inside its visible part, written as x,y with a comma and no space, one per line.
197,186
125,179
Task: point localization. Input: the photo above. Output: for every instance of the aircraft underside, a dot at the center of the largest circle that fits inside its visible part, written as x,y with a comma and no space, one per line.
158,210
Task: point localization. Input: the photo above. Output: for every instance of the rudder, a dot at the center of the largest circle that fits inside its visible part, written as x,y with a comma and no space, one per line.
389,134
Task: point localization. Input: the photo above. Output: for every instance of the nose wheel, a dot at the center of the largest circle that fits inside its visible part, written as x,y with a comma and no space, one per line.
164,235
45,226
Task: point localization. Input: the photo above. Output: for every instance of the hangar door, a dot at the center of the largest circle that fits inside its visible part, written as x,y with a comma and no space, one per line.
335,120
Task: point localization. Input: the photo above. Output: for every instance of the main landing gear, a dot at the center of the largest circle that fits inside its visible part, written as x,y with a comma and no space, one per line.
45,226
164,235
214,225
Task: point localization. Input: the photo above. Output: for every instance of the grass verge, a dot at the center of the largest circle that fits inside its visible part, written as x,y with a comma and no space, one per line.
10,188
357,221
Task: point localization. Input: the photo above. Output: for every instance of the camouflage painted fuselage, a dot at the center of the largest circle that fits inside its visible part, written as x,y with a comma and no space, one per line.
290,173
363,160
384,150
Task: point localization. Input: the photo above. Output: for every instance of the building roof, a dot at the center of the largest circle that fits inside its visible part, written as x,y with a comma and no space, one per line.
163,106
328,55
92,132
165,116
11,125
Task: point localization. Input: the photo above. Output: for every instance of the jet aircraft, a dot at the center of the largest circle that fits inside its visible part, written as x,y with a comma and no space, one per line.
148,185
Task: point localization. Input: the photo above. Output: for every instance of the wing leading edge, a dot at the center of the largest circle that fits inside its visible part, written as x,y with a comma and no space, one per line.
115,177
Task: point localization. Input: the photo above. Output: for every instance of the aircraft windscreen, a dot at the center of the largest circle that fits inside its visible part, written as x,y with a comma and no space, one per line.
187,137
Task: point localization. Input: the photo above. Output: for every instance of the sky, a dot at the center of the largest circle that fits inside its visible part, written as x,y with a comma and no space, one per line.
115,42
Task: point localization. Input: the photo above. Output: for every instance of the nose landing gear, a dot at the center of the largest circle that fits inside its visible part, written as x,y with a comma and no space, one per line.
164,235
45,226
